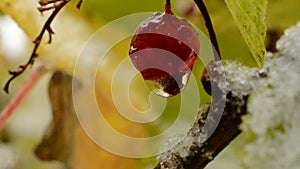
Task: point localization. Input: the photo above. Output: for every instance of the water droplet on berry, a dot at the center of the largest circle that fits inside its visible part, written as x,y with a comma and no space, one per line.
164,49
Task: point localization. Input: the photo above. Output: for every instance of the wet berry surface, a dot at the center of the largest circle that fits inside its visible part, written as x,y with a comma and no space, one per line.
164,49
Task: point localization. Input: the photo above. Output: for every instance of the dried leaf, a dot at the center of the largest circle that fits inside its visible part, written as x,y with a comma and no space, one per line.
57,143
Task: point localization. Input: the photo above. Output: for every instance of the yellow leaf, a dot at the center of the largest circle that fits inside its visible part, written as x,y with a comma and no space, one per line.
249,16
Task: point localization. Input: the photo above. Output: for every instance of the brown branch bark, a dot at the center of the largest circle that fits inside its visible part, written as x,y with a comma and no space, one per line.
199,155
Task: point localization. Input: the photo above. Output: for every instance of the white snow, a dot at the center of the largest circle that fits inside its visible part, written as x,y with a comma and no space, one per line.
273,123
239,79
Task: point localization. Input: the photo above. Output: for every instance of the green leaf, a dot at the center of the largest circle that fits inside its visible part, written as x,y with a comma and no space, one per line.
249,16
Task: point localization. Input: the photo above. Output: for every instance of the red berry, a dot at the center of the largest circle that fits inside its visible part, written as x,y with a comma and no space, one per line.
164,49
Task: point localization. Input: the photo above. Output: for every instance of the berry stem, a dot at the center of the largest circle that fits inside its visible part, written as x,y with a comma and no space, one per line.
15,101
168,7
210,29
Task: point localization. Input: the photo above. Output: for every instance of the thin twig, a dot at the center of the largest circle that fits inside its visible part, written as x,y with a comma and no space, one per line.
210,29
15,101
37,41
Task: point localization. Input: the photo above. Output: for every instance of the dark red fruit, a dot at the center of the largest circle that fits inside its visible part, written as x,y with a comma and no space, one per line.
164,49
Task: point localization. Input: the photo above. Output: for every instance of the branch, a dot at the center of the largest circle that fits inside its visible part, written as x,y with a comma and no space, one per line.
199,155
46,5
217,124
210,29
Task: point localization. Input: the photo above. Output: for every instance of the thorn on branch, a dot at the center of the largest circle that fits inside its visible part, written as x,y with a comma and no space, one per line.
50,32
43,9
37,40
